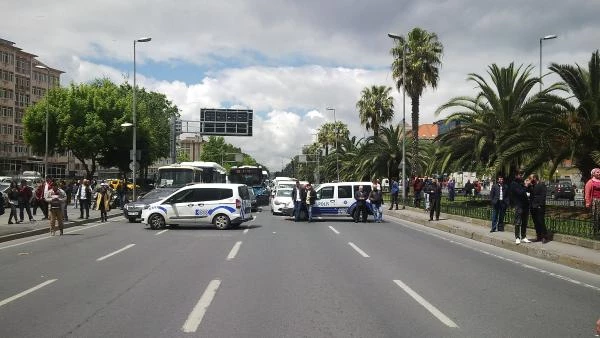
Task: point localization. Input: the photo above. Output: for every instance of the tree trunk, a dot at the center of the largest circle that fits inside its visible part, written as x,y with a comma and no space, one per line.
415,168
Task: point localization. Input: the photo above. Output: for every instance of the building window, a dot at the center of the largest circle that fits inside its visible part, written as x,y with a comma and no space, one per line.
7,58
6,111
7,76
6,93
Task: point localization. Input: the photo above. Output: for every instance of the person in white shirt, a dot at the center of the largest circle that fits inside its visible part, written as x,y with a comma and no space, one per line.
84,195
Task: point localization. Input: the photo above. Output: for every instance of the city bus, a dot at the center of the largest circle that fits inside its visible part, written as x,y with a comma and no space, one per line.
178,175
212,172
252,176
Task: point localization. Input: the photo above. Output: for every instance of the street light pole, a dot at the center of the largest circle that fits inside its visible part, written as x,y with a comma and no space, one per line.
134,156
337,155
47,114
547,37
397,37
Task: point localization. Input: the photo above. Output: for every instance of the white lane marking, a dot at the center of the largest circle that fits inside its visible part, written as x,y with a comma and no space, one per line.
161,232
234,250
114,252
246,231
195,317
434,311
45,236
333,229
362,253
524,265
26,292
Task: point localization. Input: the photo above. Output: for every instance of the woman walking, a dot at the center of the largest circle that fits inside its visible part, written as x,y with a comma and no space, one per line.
103,202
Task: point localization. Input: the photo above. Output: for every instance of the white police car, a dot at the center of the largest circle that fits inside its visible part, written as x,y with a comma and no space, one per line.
220,204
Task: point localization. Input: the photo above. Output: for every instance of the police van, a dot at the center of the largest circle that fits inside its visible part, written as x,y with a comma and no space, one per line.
220,204
337,199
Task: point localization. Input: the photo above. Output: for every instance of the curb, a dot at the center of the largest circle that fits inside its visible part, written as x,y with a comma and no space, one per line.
41,231
563,259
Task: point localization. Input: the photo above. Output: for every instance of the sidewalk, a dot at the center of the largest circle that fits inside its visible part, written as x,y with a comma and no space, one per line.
9,232
579,253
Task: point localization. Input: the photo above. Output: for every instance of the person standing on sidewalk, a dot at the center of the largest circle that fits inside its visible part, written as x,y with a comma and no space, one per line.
46,188
103,202
84,195
394,191
25,197
592,198
520,201
74,190
311,198
500,200
537,197
13,202
451,190
434,191
56,199
40,200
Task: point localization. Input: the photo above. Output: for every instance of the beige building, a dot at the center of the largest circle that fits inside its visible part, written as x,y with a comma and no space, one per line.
23,84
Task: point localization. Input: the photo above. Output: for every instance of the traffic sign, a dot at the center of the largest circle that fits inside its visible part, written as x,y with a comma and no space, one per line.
226,122
137,165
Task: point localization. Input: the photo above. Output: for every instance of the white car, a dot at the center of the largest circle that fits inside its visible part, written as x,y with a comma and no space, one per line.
282,199
220,204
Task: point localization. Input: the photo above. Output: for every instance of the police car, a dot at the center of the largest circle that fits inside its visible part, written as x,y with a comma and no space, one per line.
336,199
220,204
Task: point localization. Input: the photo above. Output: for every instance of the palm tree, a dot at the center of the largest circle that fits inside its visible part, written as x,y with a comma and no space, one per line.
583,121
326,135
422,52
500,127
383,153
375,107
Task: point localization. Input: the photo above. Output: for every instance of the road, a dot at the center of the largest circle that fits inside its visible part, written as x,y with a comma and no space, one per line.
277,278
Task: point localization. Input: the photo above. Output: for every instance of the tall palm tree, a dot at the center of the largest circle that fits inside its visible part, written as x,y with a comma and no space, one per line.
375,107
423,61
329,132
583,122
493,124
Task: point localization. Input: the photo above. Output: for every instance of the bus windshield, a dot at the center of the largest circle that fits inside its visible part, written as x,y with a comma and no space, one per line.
247,176
178,177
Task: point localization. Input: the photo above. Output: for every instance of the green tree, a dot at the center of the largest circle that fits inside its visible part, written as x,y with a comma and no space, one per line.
375,107
423,61
582,120
383,153
329,132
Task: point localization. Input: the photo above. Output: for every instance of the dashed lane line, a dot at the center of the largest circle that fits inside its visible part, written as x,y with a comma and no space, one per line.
334,230
434,311
195,317
234,250
26,292
362,253
114,253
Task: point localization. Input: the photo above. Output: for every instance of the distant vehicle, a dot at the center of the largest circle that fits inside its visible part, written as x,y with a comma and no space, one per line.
249,175
561,189
212,172
282,199
221,204
178,175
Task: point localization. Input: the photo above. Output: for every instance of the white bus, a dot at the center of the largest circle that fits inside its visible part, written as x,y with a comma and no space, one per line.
178,175
212,172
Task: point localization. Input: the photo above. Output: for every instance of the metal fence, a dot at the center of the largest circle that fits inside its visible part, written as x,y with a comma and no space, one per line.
473,207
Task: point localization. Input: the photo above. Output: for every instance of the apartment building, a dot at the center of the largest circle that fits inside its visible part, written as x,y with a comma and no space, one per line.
23,84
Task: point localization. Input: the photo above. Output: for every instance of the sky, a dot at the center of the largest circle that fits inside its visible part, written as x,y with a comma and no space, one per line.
289,60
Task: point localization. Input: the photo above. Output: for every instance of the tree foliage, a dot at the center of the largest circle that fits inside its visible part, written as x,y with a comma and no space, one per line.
375,107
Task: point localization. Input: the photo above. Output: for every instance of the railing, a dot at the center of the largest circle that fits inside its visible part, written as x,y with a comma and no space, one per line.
475,207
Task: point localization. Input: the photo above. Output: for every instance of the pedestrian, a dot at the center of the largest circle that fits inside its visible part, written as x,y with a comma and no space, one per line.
47,186
500,200
39,200
56,198
25,198
394,191
84,195
361,205
418,190
299,198
74,189
435,199
311,198
451,190
598,327
426,189
375,197
122,192
537,204
13,202
520,201
468,188
592,198
63,186
103,202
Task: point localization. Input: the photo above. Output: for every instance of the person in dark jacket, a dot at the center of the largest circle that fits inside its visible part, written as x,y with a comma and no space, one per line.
25,197
537,199
311,198
299,198
13,201
500,201
361,205
394,190
520,201
376,198
434,191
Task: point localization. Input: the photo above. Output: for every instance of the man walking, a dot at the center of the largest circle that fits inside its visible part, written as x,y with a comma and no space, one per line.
435,199
375,197
84,195
299,198
394,190
499,199
25,198
520,201
311,198
361,205
537,198
56,198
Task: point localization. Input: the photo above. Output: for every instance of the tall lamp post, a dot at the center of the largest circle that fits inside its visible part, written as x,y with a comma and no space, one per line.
134,156
47,113
399,38
547,37
337,155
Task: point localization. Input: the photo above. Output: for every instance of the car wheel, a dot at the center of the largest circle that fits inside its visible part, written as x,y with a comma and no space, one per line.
156,222
131,219
221,222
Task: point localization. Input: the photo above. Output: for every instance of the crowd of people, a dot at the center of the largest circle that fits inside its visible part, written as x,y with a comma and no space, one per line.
52,197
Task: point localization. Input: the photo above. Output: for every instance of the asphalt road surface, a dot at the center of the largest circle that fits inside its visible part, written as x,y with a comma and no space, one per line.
276,278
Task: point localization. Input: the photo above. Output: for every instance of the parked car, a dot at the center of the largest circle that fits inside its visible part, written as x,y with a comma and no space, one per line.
133,210
282,199
561,188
